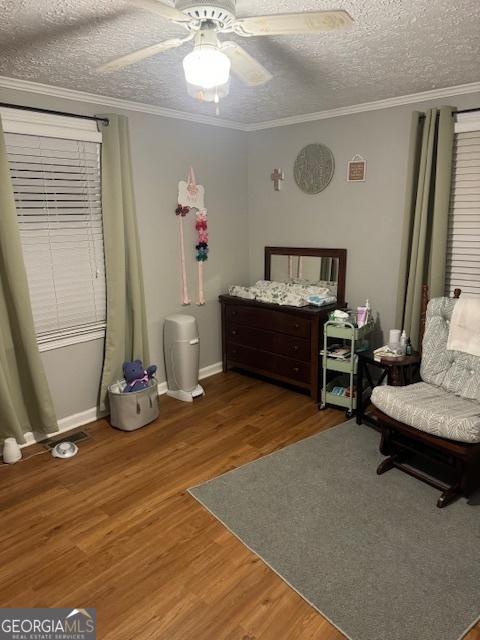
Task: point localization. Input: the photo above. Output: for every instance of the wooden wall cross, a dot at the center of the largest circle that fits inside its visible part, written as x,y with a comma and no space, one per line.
277,176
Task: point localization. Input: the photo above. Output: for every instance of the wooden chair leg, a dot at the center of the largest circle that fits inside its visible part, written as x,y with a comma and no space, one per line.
390,462
459,488
462,460
385,465
448,496
385,442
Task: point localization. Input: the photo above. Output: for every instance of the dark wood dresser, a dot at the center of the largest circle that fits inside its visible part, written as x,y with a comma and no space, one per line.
282,343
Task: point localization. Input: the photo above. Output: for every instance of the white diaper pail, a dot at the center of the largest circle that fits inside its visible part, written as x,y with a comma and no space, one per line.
181,348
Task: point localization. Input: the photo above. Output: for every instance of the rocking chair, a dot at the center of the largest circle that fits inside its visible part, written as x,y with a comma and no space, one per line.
438,419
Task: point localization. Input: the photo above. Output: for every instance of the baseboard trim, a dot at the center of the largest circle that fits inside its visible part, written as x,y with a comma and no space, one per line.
162,388
79,419
66,424
91,415
210,370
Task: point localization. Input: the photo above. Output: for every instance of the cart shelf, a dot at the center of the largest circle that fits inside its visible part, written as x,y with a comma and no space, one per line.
348,331
345,331
338,364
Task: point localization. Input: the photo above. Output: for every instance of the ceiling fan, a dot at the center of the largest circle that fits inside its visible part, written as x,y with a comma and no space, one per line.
207,67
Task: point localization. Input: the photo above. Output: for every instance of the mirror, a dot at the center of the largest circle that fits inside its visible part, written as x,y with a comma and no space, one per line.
308,264
309,268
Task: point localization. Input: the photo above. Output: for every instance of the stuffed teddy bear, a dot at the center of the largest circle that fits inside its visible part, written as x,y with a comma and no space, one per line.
136,377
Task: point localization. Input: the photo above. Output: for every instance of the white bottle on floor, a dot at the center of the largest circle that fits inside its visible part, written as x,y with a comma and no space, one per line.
11,451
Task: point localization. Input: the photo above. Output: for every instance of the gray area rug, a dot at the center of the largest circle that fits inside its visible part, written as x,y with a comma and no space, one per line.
372,553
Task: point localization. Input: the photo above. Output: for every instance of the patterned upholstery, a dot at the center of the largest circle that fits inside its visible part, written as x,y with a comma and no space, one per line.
431,409
446,403
454,371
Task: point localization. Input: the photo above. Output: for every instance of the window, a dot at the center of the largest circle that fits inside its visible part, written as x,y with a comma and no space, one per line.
463,249
56,174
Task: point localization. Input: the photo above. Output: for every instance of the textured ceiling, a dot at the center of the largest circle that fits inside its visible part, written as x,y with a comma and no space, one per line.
395,47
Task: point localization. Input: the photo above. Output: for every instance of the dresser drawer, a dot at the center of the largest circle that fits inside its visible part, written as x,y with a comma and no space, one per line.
270,320
288,368
281,343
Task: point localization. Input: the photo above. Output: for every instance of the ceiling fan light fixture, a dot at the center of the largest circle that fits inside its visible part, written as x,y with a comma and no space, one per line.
208,95
206,67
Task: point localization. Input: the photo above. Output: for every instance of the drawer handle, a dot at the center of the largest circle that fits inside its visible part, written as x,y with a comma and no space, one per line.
234,332
296,325
296,369
234,313
295,347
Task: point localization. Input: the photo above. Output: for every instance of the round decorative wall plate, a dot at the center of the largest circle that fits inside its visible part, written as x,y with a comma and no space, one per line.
314,168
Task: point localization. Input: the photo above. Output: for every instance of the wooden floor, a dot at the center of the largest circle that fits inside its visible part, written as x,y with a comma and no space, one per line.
114,528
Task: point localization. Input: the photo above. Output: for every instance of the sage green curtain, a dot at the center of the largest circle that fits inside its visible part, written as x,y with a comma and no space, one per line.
126,334
424,239
25,401
329,269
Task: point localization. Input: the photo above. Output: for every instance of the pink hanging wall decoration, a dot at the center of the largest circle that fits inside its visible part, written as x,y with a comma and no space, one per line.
191,196
181,212
201,225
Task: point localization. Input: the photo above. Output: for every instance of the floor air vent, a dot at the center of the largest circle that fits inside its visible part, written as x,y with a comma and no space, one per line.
76,437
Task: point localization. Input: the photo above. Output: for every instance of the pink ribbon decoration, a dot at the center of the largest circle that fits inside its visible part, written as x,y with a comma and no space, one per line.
191,198
181,212
185,297
201,225
200,294
191,184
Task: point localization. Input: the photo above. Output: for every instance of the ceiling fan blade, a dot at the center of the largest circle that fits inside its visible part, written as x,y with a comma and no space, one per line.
247,68
292,23
164,10
141,54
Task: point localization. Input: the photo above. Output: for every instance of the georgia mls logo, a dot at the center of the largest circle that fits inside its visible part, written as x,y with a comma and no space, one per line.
47,624
89,623
74,612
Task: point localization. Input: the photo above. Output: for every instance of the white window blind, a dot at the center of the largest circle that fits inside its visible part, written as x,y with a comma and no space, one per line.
56,183
463,249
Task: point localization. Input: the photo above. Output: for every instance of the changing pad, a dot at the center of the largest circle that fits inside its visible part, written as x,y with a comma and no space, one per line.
293,293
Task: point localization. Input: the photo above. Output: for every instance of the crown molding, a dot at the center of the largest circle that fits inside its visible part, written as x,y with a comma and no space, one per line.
118,103
129,105
388,103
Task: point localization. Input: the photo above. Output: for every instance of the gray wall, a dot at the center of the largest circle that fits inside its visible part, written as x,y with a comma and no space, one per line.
245,214
365,218
162,151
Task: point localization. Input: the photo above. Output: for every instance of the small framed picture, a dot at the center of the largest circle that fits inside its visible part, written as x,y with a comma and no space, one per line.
357,169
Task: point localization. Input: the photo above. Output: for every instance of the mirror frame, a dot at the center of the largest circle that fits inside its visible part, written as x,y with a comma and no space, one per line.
341,254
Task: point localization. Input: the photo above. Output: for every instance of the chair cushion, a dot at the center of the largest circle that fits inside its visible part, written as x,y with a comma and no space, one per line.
430,409
453,371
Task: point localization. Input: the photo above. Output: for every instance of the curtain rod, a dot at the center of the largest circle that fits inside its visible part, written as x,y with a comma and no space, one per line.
467,110
455,113
105,121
